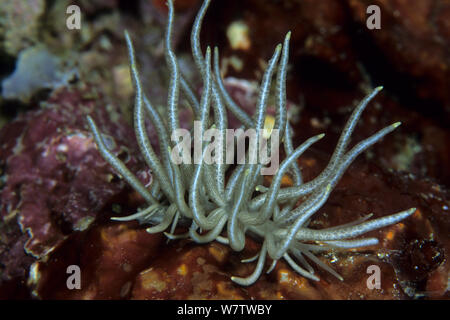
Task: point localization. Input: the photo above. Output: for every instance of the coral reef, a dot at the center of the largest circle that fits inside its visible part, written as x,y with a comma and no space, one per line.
122,260
335,60
241,203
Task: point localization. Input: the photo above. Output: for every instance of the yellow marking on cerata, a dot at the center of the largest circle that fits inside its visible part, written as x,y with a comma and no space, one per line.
269,123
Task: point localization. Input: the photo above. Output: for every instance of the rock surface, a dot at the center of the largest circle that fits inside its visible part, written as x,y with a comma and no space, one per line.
57,193
119,260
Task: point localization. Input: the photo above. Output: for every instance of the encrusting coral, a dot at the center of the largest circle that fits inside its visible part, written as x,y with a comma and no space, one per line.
200,195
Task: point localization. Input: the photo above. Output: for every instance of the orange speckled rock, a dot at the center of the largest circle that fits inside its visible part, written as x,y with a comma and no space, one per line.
109,258
121,260
194,272
411,265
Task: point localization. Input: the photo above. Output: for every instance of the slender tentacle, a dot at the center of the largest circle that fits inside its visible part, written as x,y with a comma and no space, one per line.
118,165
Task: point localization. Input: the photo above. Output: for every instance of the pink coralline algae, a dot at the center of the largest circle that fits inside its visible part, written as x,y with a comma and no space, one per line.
54,181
